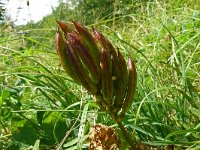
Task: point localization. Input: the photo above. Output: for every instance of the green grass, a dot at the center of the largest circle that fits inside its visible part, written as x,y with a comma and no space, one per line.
42,107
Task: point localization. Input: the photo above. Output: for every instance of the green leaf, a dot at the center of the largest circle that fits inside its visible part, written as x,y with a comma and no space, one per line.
6,113
40,115
54,127
184,132
23,131
13,146
5,94
1,100
36,145
195,112
82,127
70,144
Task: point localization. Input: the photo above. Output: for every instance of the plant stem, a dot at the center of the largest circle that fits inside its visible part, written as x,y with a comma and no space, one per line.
127,135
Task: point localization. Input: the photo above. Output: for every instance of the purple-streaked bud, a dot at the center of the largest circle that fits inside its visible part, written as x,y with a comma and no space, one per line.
106,76
89,41
85,57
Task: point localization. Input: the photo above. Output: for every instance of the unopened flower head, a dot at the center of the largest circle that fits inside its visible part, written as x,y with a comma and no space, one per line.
93,62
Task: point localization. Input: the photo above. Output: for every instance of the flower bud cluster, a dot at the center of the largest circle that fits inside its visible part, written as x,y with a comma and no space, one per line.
93,62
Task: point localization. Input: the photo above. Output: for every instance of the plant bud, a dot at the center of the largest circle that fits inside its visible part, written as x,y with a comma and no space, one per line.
94,63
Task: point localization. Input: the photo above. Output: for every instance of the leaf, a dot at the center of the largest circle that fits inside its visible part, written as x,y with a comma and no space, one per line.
40,115
5,94
6,113
23,131
184,132
36,145
54,127
195,112
1,101
73,142
13,146
82,127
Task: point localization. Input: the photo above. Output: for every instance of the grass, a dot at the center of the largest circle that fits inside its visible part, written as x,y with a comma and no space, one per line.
40,104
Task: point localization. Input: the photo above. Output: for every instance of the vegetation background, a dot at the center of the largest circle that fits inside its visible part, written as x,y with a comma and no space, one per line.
42,108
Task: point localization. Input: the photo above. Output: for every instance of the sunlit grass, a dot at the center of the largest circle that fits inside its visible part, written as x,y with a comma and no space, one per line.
36,94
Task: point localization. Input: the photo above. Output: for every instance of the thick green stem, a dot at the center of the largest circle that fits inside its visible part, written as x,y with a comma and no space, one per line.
117,119
127,135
